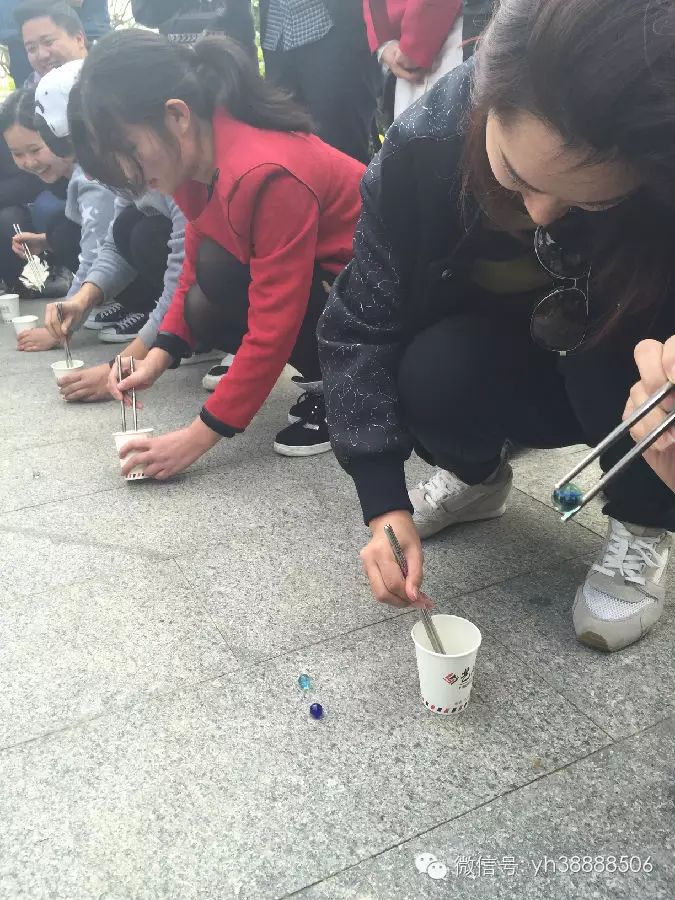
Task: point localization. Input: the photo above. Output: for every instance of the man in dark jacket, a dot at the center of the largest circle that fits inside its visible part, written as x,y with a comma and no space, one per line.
184,21
321,55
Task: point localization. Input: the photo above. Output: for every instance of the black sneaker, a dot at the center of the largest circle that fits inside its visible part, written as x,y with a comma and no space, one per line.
215,373
300,408
125,330
107,317
309,435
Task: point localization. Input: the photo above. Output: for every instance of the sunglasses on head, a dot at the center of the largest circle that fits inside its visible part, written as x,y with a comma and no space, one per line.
559,321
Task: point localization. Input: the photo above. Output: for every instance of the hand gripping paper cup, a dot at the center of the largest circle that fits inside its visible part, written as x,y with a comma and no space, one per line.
123,437
445,679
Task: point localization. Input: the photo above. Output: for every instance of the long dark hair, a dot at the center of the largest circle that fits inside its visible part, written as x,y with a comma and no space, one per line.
19,109
602,74
128,78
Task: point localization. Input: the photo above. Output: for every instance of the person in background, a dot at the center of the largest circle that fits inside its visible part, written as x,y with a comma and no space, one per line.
271,212
185,21
318,51
656,365
515,240
418,40
52,34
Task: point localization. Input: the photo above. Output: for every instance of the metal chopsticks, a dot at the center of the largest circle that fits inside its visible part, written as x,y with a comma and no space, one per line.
134,408
66,343
33,265
432,634
611,439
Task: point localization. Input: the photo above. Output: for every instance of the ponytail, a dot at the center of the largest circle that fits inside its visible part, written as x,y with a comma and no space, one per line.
130,75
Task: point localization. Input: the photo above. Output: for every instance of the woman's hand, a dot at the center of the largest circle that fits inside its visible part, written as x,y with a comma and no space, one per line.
386,580
169,454
74,310
146,372
35,339
36,243
401,65
86,385
656,363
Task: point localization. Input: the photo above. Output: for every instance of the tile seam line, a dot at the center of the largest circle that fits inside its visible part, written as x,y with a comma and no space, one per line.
473,809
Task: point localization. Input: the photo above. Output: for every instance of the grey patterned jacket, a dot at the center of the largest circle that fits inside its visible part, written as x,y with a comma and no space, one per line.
407,261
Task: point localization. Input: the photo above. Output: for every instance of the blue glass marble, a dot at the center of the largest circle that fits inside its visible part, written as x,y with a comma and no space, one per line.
567,498
305,682
316,711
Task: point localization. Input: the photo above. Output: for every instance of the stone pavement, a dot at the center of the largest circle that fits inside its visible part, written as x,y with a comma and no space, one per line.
154,742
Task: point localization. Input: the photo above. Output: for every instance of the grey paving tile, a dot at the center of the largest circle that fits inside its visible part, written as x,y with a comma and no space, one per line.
231,790
33,561
532,615
616,803
75,652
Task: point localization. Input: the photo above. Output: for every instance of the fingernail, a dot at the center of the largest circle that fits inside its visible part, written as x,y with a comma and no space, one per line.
416,593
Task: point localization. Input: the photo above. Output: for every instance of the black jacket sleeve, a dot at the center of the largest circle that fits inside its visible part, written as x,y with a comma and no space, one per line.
361,338
16,187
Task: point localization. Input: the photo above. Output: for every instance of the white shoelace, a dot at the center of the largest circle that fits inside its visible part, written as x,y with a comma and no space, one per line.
439,487
628,554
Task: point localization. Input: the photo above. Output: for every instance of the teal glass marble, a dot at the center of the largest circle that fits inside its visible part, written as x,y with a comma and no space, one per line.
305,682
567,498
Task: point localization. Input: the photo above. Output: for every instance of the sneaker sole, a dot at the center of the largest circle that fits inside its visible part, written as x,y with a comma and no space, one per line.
293,419
284,450
111,337
211,382
95,326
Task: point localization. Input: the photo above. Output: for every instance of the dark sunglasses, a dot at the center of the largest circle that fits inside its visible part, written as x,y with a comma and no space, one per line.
560,321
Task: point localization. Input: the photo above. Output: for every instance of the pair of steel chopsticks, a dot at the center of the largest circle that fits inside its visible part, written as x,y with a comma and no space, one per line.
36,272
612,438
432,634
69,355
118,361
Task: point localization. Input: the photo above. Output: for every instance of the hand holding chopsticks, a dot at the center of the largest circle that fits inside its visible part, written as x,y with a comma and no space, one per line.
134,406
37,270
631,424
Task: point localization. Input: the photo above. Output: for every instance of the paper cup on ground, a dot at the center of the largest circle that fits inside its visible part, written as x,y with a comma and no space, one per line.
9,307
62,368
24,323
445,679
122,438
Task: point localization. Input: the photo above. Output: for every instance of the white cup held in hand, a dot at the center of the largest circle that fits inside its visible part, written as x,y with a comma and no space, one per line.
24,323
62,368
9,307
445,679
122,438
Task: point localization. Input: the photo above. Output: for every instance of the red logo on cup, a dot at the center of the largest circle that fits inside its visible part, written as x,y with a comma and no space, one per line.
451,678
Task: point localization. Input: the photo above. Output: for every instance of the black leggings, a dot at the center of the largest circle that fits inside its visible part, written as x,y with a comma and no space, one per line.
471,381
11,266
216,307
141,240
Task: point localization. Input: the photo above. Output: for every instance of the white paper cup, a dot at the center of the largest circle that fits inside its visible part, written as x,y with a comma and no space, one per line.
445,679
24,323
122,438
9,307
62,368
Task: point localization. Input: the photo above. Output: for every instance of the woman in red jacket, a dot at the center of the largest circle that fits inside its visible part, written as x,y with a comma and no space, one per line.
271,213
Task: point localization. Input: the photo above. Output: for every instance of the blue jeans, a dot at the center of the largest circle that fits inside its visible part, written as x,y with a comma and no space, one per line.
45,206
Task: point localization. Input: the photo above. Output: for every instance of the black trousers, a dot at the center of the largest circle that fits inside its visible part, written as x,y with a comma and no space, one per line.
11,266
141,240
336,80
216,307
472,380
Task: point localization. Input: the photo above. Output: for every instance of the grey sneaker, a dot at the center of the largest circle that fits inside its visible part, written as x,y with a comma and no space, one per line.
444,500
624,591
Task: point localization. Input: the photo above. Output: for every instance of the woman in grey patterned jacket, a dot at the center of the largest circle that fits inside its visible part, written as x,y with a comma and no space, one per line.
514,245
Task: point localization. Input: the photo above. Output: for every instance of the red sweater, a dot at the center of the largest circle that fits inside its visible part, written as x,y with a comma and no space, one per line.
281,203
421,26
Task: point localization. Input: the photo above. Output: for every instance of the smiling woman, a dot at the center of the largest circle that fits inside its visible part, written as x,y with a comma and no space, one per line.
515,242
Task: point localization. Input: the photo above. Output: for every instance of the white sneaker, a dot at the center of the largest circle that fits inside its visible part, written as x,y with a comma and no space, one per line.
215,373
624,591
445,500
